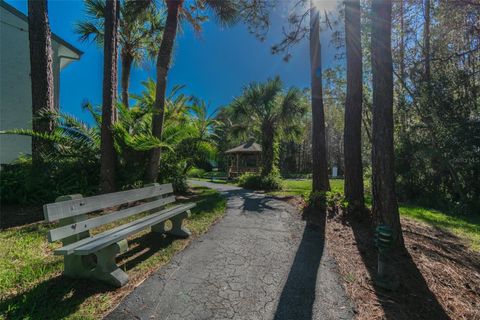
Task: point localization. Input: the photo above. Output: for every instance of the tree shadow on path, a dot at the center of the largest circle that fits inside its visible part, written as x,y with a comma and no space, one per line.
298,294
413,299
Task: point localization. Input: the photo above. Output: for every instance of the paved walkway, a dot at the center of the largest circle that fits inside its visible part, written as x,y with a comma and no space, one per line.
260,261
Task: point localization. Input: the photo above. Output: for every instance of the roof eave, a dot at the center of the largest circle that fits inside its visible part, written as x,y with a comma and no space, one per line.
55,37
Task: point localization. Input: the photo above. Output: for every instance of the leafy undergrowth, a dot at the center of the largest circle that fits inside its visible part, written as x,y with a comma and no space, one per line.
31,284
464,226
216,180
438,274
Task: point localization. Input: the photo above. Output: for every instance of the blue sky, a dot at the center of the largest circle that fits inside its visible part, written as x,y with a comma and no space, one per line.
214,65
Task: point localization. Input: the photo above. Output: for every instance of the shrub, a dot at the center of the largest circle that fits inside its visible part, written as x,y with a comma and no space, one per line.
258,182
172,170
329,199
21,183
196,172
317,199
215,174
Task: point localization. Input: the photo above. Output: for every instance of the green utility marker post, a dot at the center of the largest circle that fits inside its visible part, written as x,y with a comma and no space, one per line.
384,242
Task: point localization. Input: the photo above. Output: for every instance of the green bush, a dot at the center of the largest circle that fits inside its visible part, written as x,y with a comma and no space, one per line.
329,199
258,182
172,170
215,174
21,183
195,172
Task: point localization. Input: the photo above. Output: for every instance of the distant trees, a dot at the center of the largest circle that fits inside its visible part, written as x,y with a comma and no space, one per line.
436,46
265,109
110,53
353,108
41,71
385,207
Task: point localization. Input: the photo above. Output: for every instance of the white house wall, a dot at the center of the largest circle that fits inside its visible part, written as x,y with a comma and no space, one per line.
15,86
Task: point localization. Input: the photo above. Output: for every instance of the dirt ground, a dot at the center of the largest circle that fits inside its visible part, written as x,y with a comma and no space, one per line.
439,275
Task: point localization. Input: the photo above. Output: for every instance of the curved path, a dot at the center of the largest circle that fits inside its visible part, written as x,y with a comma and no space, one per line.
261,261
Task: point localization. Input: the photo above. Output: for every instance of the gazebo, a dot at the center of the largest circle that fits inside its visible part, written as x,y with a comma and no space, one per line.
244,158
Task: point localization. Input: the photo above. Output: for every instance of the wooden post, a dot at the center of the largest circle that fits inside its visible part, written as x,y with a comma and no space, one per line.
237,163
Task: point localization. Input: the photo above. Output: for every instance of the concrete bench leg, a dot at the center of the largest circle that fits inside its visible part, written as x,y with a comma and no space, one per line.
159,228
107,269
100,266
177,229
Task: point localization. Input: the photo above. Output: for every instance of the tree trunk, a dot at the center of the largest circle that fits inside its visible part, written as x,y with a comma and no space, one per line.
319,149
127,61
402,42
41,70
385,207
401,98
426,41
353,108
163,64
110,50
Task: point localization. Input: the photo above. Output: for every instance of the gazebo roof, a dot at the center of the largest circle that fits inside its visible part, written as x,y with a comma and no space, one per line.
249,147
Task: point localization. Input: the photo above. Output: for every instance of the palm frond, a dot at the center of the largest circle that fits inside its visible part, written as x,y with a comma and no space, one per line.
88,30
95,112
225,11
95,8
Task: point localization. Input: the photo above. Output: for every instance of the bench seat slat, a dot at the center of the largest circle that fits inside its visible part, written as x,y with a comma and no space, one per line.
71,208
78,227
128,230
99,241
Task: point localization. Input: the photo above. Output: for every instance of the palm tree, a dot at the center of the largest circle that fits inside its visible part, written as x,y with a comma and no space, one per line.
140,30
353,108
385,206
265,108
203,121
226,13
41,70
107,151
319,148
188,126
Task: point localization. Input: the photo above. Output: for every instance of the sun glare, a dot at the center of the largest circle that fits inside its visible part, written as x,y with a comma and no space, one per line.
327,5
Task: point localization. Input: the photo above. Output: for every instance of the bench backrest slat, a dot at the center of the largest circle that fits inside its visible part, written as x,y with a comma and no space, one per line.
71,208
78,227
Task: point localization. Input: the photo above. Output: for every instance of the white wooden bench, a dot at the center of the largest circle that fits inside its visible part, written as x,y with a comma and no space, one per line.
87,256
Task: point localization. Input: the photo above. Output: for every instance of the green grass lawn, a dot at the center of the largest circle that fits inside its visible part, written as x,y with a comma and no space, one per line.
463,226
31,285
302,187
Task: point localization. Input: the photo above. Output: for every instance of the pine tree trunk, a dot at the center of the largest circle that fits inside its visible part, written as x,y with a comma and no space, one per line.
319,149
401,98
426,41
127,61
353,108
402,42
163,64
110,51
385,207
41,70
